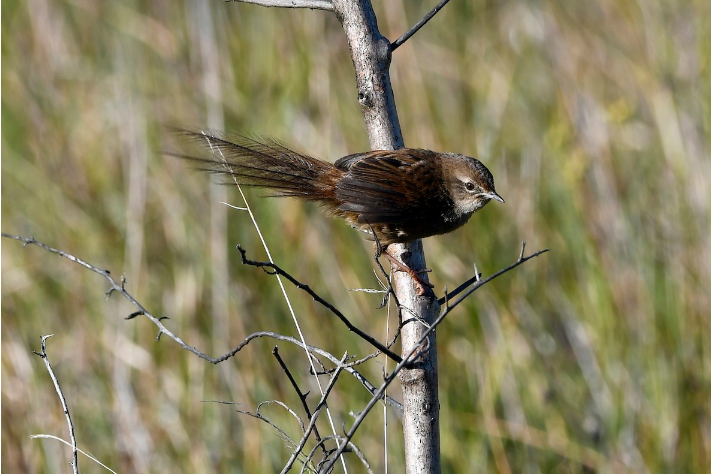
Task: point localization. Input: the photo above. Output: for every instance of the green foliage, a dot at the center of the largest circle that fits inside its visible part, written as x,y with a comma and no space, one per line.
592,116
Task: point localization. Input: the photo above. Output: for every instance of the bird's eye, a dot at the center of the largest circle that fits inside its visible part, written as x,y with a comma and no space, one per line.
470,186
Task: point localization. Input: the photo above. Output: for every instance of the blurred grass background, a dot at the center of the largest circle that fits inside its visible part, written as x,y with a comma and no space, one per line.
594,118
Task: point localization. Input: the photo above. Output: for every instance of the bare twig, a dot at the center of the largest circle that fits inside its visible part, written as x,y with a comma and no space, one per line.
285,407
290,442
476,279
302,396
312,4
45,358
302,286
399,42
142,311
257,414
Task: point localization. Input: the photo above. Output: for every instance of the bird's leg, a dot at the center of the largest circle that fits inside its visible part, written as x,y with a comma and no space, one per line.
421,285
414,274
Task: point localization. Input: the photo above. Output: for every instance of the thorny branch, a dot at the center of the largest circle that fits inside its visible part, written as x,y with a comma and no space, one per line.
142,311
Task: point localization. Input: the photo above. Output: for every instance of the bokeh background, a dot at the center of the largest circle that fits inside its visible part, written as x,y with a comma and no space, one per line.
594,118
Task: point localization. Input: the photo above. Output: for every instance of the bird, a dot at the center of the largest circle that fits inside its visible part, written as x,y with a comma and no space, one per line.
392,196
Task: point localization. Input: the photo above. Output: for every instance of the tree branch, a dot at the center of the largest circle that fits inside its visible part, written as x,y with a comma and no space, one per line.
312,4
302,286
399,42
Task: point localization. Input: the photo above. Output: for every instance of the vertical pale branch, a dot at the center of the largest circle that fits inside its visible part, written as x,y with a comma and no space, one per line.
371,54
419,383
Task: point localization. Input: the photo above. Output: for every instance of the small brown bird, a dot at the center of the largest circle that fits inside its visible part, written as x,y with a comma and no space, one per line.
400,195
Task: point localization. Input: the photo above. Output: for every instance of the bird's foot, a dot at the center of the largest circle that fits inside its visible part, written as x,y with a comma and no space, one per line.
421,285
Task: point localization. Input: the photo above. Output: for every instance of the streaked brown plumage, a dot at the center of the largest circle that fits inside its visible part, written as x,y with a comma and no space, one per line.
401,195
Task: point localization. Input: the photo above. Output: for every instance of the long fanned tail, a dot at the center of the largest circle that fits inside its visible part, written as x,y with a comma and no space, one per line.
264,163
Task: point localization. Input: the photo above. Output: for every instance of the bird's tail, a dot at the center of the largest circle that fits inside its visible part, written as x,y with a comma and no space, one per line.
264,163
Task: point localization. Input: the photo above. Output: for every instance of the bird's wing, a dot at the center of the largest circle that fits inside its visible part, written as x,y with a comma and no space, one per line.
385,187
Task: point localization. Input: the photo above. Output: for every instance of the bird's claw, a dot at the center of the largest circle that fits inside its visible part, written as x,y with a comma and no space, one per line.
421,285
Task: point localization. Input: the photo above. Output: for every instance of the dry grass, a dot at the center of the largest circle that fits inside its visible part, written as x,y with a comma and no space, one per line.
593,116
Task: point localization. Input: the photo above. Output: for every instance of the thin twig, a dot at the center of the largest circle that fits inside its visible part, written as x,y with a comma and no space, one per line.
258,415
45,358
302,396
285,407
290,442
398,42
302,286
476,279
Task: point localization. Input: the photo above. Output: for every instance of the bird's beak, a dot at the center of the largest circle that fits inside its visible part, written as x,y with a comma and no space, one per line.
493,195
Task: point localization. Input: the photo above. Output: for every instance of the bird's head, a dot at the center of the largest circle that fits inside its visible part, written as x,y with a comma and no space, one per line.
469,183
